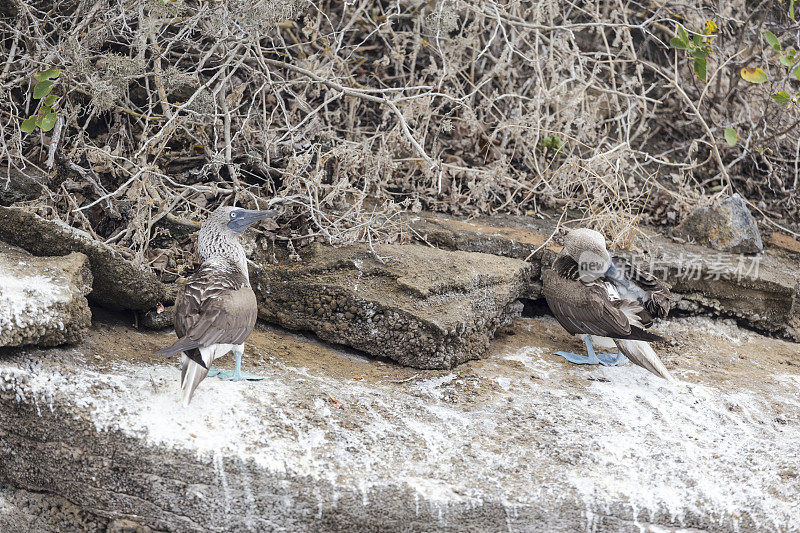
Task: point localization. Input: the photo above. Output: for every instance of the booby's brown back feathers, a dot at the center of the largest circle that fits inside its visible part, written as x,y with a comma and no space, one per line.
215,306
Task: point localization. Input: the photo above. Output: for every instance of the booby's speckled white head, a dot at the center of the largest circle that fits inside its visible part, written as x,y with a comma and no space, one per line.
588,248
219,233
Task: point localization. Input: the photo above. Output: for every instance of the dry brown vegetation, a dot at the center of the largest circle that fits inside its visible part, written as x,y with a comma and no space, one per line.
348,113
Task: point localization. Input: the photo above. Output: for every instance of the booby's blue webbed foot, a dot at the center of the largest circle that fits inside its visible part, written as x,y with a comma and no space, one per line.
237,374
592,358
212,371
611,359
240,376
579,359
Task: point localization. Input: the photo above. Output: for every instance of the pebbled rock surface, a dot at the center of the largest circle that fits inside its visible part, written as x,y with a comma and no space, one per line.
117,283
421,306
158,319
519,441
42,299
727,226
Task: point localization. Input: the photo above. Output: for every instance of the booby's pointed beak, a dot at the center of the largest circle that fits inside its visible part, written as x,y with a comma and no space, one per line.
241,219
612,271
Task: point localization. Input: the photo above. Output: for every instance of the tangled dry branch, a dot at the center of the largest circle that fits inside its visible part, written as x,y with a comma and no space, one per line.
351,112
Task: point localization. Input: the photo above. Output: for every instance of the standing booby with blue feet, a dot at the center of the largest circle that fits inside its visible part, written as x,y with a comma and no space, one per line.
216,309
590,297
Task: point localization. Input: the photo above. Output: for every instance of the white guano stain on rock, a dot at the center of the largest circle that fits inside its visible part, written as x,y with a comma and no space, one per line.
623,440
27,301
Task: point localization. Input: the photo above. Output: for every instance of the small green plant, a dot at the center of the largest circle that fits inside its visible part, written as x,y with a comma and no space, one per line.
698,47
551,142
44,117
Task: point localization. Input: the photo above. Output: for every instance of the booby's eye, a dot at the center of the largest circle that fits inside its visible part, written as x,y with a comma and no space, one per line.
233,214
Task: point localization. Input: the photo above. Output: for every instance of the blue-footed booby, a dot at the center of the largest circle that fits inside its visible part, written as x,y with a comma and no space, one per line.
216,309
592,298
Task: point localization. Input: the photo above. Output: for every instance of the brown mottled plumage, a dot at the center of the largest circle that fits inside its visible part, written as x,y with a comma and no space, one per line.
216,310
215,306
586,300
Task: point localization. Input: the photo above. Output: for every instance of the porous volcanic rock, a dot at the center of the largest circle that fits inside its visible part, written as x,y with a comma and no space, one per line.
727,226
420,306
118,284
42,299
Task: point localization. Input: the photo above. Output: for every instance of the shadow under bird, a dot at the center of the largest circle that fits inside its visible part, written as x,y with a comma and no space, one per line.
592,298
216,309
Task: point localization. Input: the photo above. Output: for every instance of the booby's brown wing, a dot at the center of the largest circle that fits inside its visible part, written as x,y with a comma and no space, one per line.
216,306
585,308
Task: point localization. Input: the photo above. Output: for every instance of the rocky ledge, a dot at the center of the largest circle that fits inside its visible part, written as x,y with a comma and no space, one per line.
118,284
519,441
42,299
420,306
760,291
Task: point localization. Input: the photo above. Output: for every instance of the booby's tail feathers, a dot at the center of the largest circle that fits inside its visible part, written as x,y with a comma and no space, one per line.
184,344
192,374
642,354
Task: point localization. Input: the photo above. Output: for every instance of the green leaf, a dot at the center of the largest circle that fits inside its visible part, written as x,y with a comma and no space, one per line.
796,72
700,68
29,124
731,136
50,100
682,35
42,89
791,10
700,53
754,75
786,60
677,42
782,97
48,74
697,39
772,40
47,122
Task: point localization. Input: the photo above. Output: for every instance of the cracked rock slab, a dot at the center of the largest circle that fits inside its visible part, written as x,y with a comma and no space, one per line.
42,299
420,306
761,292
118,284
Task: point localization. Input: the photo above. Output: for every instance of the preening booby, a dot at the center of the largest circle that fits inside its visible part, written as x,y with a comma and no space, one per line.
590,297
216,309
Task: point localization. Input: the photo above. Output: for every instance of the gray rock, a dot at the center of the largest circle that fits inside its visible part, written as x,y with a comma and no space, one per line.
117,283
42,299
422,307
727,226
518,237
23,511
330,441
16,186
759,291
